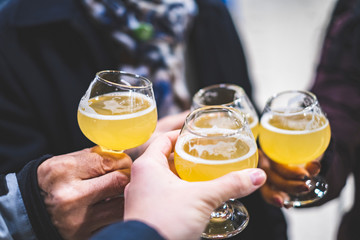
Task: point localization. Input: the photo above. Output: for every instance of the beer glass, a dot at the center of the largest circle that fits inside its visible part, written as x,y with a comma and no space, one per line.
214,141
229,95
118,111
294,131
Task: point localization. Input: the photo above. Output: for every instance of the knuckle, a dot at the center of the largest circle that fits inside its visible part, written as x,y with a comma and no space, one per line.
127,161
43,171
65,197
107,164
111,163
120,180
68,225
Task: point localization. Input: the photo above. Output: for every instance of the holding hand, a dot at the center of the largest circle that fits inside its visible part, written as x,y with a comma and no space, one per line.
283,179
176,208
81,190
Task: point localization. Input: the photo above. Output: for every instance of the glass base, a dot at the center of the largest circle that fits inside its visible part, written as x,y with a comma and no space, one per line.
318,189
227,221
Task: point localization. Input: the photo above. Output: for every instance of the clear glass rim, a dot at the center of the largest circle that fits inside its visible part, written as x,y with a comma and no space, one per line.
148,83
215,108
231,86
314,104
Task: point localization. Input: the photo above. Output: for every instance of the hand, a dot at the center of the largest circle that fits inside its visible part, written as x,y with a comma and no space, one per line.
176,208
283,179
165,124
80,190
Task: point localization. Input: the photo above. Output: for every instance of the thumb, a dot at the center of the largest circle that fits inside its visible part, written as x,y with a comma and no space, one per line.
236,184
162,146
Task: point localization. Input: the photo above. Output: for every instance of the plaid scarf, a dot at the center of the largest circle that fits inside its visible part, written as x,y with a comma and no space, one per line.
151,36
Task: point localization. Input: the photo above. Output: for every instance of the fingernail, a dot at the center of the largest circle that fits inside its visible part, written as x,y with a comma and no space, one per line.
257,177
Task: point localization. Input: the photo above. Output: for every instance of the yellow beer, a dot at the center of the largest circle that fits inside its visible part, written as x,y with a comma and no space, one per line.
200,159
118,121
294,139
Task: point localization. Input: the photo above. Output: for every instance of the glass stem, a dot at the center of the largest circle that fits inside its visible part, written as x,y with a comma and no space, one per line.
221,213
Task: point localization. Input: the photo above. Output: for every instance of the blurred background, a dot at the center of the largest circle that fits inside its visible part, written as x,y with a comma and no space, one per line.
282,40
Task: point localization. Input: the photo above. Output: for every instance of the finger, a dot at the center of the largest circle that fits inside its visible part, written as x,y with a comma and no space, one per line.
290,172
111,160
264,161
172,164
272,196
235,184
96,163
289,186
80,165
105,213
162,146
106,186
313,167
284,181
285,171
166,124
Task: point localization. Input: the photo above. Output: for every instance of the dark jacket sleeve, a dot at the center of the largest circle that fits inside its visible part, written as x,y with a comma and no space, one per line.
14,221
337,86
130,230
33,201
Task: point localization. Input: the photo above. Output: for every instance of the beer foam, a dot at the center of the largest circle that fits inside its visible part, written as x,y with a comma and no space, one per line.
215,130
182,140
265,124
88,111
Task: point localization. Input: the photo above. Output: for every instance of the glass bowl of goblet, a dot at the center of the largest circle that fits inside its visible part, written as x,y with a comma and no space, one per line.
229,95
214,141
295,131
118,110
